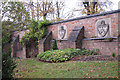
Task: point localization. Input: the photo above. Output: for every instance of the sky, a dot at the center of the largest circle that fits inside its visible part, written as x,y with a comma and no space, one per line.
70,5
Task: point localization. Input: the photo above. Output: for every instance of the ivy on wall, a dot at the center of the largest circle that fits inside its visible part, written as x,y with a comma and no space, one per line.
8,63
37,30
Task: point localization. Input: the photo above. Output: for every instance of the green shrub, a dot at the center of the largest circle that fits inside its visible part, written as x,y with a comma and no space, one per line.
54,45
7,65
37,30
113,54
63,54
88,52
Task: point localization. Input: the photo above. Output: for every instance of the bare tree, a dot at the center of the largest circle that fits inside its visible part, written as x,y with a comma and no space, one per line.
93,6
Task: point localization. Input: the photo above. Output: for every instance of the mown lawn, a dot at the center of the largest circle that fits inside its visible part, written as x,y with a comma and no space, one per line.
30,68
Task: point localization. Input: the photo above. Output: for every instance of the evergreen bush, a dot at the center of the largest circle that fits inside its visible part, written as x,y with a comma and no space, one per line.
8,65
54,45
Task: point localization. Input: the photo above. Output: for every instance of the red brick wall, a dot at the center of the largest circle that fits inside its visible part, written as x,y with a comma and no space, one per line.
32,50
88,23
63,44
106,48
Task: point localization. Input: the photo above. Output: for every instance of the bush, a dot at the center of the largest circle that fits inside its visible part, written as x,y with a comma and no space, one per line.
113,54
37,30
63,54
7,65
54,45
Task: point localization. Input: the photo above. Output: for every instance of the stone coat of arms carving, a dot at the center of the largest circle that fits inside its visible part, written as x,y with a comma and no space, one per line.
102,27
62,32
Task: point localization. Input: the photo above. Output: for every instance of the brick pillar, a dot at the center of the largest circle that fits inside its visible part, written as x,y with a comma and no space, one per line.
24,52
12,52
72,44
41,48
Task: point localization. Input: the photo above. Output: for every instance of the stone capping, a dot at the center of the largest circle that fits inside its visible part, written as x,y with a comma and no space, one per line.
82,29
49,33
101,38
62,39
75,33
44,39
14,40
88,16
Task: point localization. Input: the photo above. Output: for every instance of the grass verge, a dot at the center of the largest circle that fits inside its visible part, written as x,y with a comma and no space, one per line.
30,68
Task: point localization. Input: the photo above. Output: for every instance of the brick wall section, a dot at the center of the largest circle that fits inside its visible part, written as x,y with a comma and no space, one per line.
14,47
79,39
45,43
31,50
41,48
105,47
21,54
89,26
63,44
119,34
13,53
74,41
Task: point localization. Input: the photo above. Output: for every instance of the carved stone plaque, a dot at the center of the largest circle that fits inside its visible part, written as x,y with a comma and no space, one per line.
103,27
62,32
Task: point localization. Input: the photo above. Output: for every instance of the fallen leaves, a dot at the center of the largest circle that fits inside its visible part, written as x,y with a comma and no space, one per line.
78,69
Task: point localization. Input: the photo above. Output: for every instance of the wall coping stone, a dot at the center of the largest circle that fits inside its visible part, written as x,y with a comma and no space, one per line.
62,39
101,38
88,16
45,38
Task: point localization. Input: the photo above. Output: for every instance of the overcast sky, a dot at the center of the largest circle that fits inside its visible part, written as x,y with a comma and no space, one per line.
71,4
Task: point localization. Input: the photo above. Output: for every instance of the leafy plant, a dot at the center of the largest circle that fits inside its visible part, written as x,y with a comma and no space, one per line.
54,45
113,54
30,54
63,54
88,52
93,37
37,31
7,65
109,39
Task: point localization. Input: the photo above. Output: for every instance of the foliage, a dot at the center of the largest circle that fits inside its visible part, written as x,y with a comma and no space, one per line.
7,65
94,7
7,62
54,45
5,39
6,33
17,19
43,8
93,37
113,54
37,30
30,54
63,54
30,68
109,39
17,13
48,9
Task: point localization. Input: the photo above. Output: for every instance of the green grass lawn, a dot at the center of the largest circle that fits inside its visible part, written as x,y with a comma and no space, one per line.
30,68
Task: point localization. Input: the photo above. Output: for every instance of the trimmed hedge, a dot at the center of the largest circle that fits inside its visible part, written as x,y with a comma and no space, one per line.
63,54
